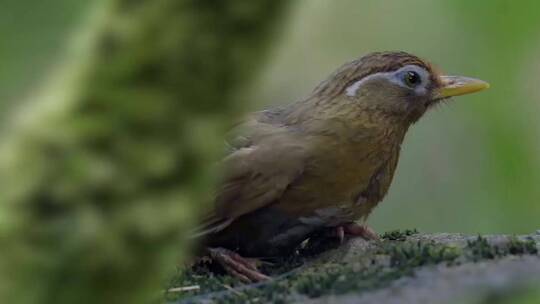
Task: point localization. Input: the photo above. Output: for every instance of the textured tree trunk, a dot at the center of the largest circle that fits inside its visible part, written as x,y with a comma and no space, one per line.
98,186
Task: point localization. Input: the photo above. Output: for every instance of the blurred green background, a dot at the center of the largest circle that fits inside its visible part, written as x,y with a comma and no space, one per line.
470,166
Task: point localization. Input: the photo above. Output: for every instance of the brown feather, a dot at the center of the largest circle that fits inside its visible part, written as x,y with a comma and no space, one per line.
320,162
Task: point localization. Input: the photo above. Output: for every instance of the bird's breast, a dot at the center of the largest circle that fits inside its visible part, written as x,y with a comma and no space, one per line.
342,183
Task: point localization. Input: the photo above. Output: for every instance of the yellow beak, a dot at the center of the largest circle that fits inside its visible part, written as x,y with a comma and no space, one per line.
459,85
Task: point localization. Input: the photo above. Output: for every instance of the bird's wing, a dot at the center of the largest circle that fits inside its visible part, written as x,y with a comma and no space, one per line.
259,169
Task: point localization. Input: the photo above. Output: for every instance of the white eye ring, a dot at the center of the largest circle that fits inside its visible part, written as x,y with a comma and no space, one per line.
396,77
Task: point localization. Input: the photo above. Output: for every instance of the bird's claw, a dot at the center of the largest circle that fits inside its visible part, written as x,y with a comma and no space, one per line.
244,269
356,230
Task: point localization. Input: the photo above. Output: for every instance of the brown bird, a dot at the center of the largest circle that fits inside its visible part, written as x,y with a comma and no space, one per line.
323,162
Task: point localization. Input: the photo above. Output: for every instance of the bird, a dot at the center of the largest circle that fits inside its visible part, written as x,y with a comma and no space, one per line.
321,163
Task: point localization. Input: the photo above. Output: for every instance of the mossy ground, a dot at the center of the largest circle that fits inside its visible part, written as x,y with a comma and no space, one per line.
481,249
298,277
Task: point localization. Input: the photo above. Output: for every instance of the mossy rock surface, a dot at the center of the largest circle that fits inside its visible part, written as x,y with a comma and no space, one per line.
405,267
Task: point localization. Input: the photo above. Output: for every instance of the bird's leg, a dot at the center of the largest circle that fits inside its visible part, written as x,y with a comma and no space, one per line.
244,269
356,230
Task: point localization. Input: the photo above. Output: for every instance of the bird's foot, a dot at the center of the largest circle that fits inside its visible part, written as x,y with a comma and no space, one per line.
242,268
356,230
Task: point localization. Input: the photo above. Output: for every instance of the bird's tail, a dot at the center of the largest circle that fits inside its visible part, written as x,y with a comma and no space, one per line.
210,224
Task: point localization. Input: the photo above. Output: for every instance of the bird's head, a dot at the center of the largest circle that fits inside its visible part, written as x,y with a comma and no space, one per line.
393,84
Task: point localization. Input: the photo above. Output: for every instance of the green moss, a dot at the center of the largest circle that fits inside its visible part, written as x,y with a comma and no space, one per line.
481,249
393,258
315,281
205,280
399,235
519,247
415,254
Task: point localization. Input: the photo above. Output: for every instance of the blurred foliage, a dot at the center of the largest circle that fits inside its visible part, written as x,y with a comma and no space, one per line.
31,32
527,294
100,178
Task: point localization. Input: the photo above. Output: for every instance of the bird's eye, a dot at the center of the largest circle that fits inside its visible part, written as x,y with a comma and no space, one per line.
411,79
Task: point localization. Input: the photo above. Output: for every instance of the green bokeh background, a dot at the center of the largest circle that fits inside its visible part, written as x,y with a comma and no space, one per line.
472,165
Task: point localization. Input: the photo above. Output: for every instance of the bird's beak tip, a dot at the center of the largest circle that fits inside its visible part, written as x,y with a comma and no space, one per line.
460,85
